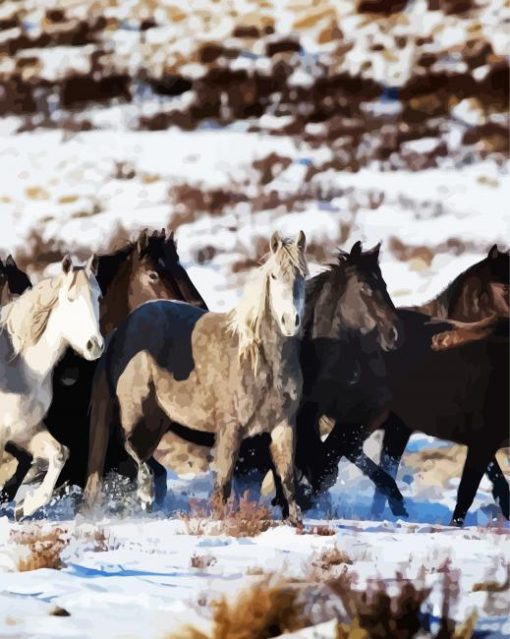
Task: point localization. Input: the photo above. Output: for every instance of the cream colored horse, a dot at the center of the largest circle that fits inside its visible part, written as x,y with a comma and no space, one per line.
235,374
35,330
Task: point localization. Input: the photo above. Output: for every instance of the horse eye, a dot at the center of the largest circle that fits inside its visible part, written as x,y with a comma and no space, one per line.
273,276
153,276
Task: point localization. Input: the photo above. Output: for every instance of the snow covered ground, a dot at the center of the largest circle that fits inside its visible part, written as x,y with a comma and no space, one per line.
144,585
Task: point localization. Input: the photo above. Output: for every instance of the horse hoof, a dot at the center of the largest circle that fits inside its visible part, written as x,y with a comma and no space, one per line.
19,513
458,522
398,509
295,522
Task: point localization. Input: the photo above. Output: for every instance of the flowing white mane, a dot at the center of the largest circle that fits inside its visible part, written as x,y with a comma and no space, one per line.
245,320
26,317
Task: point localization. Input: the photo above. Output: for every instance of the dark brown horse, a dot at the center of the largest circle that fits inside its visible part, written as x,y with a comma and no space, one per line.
478,292
140,271
414,371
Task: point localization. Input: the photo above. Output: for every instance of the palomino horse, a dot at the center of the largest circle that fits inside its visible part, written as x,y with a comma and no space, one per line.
236,374
411,375
36,329
140,271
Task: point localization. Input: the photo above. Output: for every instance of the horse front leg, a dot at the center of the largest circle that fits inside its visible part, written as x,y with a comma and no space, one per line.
44,446
12,485
228,442
282,453
395,440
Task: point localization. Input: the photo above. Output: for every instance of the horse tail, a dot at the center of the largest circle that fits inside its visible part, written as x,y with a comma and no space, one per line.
101,418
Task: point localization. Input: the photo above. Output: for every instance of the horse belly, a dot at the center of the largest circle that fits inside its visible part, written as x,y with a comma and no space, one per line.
187,402
21,416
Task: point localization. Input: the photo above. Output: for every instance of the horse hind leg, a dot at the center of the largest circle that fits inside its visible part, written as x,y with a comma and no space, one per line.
474,467
500,488
44,446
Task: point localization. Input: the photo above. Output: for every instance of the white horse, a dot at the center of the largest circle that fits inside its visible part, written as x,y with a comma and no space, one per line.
35,330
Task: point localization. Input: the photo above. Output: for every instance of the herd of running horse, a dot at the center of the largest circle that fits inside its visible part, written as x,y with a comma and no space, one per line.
100,361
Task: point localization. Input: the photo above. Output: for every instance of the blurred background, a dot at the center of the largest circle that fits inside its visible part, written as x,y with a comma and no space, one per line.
223,120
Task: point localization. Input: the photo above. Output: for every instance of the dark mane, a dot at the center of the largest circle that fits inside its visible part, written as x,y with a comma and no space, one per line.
157,246
338,271
108,265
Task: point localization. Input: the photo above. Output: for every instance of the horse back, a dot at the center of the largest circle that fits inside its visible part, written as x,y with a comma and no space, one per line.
162,329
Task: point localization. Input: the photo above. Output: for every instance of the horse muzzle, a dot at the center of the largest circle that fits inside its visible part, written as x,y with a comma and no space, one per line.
390,338
94,348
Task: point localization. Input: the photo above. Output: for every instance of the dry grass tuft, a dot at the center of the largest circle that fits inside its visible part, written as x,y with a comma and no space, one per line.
334,556
202,561
267,609
322,530
44,548
246,519
493,586
376,614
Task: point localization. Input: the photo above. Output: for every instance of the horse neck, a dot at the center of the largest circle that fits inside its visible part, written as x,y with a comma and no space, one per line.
186,287
42,356
115,302
323,308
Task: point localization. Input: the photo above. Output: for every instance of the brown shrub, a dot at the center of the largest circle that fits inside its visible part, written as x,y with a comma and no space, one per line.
334,556
266,609
493,586
38,252
322,530
379,614
45,548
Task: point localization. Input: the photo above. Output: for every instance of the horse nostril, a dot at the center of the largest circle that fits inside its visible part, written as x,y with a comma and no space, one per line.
90,345
395,334
283,319
297,320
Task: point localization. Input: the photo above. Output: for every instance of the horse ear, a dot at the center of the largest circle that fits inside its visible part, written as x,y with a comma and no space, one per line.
356,249
494,252
143,241
374,252
10,261
275,242
301,241
67,263
92,264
